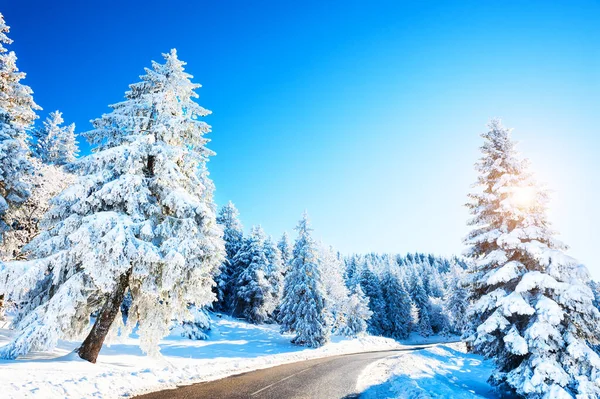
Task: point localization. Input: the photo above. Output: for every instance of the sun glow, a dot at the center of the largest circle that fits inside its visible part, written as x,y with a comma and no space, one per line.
523,197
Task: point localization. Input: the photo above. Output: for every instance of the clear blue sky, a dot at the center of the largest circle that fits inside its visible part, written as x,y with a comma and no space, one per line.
365,113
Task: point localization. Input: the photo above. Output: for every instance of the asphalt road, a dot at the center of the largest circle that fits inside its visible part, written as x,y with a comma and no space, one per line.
327,378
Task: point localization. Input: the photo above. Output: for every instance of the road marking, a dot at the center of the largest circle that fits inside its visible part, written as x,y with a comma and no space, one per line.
283,379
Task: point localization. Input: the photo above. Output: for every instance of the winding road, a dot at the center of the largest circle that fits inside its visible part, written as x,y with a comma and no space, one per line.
326,378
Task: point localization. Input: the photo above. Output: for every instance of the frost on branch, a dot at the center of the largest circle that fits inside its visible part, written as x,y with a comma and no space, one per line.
56,144
45,182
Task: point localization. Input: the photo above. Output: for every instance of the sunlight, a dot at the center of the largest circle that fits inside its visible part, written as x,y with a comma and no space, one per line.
523,197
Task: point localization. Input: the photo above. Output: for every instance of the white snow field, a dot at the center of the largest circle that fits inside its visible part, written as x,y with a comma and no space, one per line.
444,371
123,370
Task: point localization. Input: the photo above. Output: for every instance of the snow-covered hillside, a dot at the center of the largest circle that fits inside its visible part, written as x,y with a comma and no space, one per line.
233,347
444,372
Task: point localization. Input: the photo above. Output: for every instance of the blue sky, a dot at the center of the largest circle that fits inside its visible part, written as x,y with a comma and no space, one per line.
366,114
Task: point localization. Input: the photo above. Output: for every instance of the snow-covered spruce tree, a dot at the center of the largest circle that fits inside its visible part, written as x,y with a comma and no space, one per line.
233,234
254,299
595,287
55,144
45,182
140,217
421,301
357,313
303,309
332,275
285,249
55,147
432,281
371,286
17,113
352,271
456,299
398,307
199,325
440,323
532,311
275,272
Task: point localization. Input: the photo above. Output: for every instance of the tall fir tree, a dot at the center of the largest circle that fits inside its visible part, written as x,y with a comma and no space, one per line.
332,275
140,217
17,114
421,302
56,144
233,234
397,305
254,299
371,285
456,299
275,272
285,249
304,306
532,311
45,182
352,272
356,314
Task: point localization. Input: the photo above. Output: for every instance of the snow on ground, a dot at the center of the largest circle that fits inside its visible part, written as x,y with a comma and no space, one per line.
444,371
123,370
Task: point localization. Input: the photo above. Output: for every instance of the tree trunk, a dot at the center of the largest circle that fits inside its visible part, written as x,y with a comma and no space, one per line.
2,310
93,343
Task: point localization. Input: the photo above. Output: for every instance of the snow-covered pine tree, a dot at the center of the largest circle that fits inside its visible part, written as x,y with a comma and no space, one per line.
46,181
595,287
56,144
17,113
275,272
233,234
533,311
356,314
332,275
254,299
303,308
437,316
55,147
421,302
198,326
285,249
456,299
139,217
371,286
398,307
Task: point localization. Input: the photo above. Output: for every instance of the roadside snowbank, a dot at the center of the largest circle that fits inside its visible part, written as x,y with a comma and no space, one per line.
122,370
444,371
